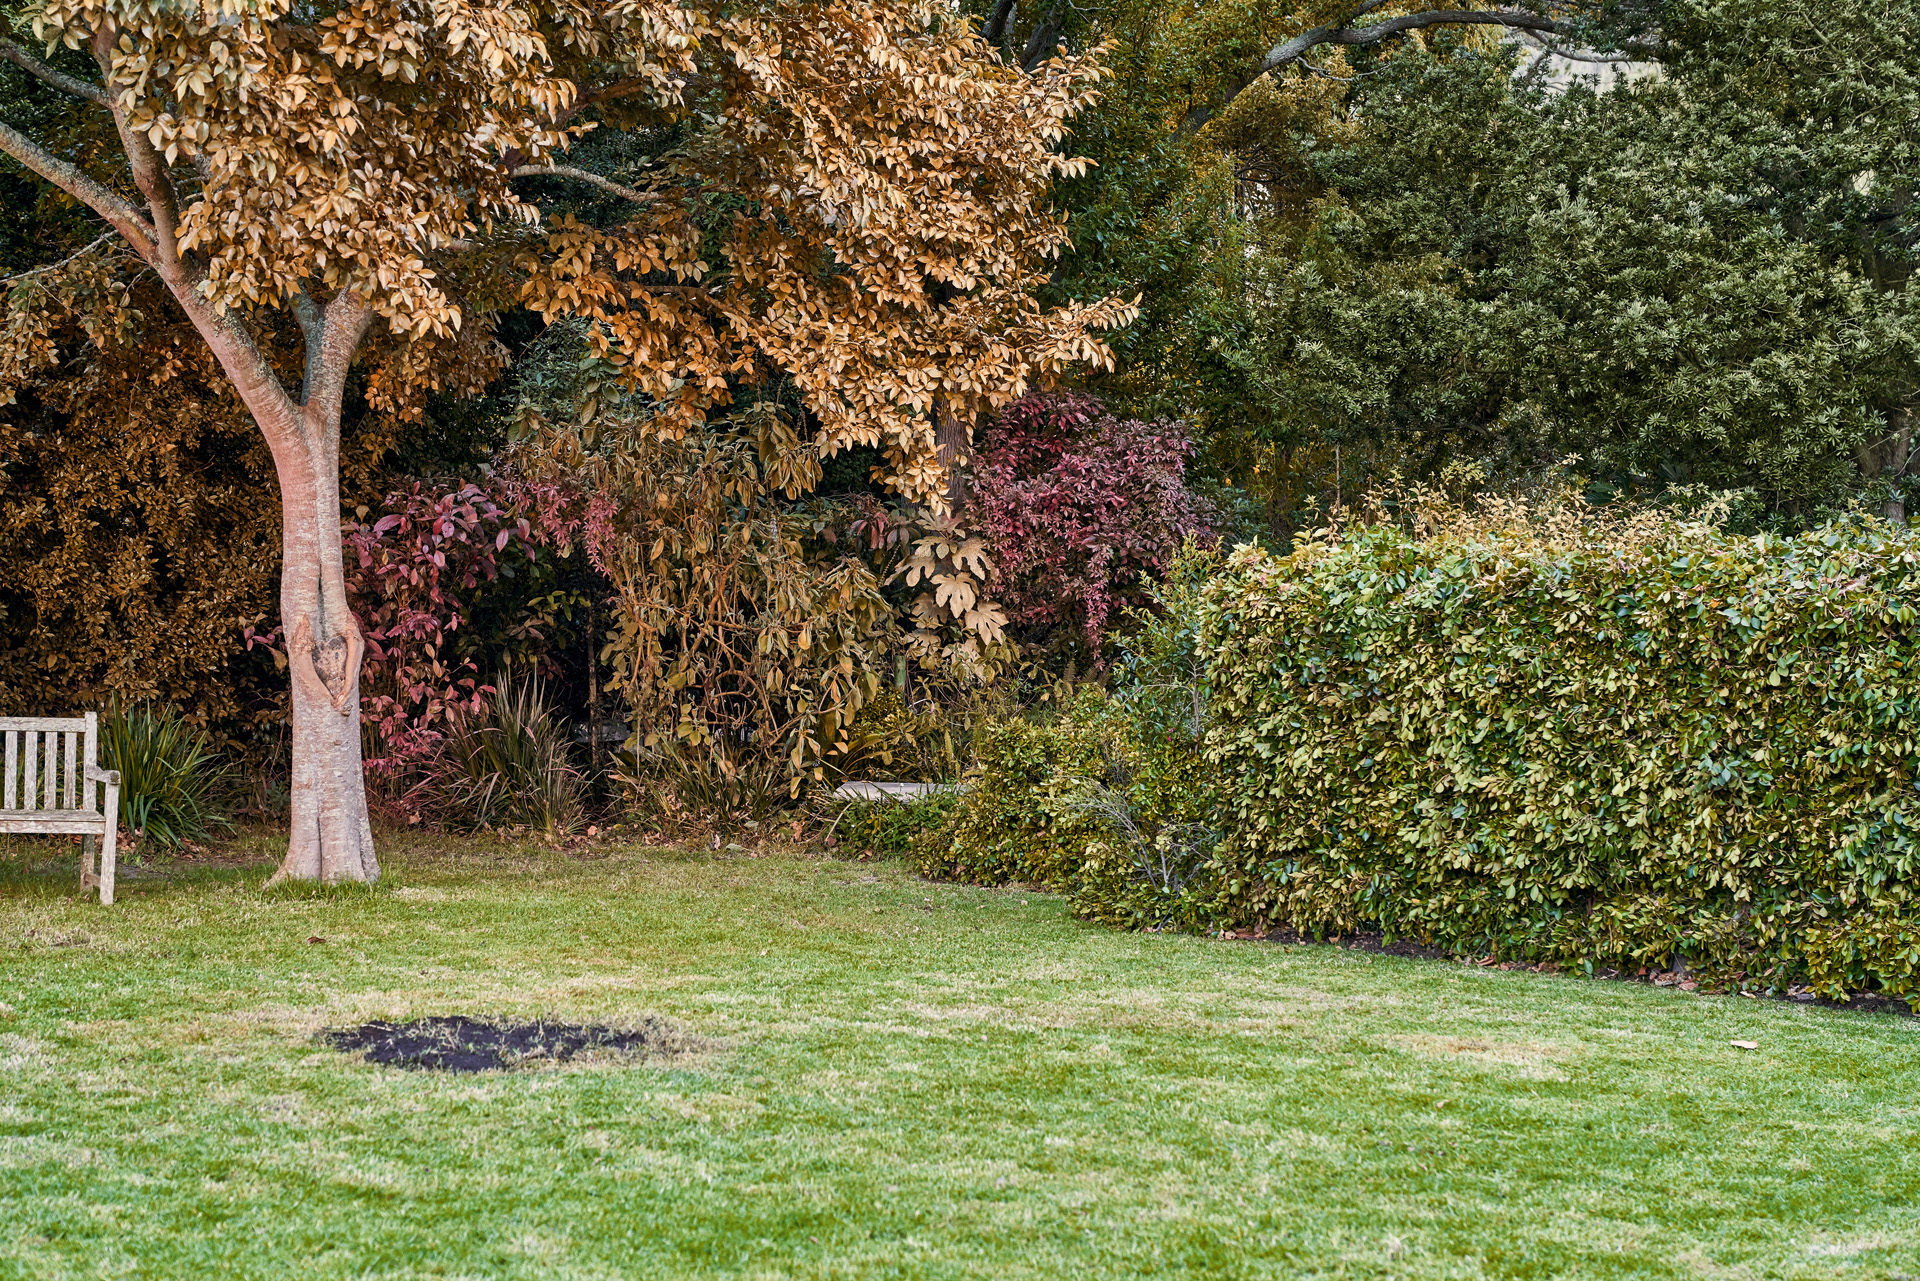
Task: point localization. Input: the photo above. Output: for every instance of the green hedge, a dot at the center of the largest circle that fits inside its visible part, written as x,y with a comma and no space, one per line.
1616,748
1110,801
1010,824
1099,803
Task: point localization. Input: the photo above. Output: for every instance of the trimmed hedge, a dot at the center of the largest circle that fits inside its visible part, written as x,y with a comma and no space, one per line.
1619,747
1010,824
892,827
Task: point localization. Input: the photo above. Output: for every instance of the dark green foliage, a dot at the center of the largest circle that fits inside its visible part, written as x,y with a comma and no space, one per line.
173,786
866,828
1619,748
1703,276
1009,824
1111,801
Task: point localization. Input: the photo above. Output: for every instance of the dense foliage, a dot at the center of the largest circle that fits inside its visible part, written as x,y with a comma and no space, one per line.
1635,744
1632,746
1109,800
1701,274
1081,510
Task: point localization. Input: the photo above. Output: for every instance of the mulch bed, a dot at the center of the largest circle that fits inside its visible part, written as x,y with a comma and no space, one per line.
1860,1002
455,1043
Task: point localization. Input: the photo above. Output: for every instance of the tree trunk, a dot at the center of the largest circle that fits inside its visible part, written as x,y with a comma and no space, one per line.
953,445
1888,458
331,839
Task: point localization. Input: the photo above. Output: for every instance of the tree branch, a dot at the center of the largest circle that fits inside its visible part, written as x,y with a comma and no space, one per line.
39,70
73,257
1044,40
149,174
996,29
342,324
1290,51
581,175
119,213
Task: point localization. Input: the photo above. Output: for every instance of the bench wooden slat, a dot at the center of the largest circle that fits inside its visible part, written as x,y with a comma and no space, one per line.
71,742
12,767
50,771
57,823
61,723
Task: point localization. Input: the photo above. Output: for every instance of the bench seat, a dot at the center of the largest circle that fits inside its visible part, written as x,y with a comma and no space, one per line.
51,822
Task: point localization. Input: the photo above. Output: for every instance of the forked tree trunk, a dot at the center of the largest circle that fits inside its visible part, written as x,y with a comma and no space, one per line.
331,838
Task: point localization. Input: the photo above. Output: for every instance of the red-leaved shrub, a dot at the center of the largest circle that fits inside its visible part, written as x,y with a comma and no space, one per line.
1080,509
407,572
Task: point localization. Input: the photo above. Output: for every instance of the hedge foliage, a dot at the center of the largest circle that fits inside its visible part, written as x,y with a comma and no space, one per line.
890,827
1594,746
1599,745
1109,801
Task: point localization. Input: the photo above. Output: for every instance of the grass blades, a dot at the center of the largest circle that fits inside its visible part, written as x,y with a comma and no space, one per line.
511,765
912,1081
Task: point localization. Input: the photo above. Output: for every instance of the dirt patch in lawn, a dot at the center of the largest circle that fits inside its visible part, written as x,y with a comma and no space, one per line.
455,1043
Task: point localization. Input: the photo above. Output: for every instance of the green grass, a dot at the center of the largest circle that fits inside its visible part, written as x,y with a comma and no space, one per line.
909,1080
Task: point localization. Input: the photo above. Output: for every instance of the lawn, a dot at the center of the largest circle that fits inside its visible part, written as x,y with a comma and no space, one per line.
900,1079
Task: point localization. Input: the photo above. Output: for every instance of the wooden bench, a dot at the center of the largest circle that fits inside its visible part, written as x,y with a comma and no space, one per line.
48,771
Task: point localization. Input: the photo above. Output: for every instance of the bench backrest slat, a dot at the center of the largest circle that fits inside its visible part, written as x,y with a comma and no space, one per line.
44,761
62,723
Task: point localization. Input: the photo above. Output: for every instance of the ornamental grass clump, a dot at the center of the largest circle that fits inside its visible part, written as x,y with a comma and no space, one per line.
510,763
173,785
1630,742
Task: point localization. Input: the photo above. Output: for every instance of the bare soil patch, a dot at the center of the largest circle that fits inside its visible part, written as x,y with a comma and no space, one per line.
456,1043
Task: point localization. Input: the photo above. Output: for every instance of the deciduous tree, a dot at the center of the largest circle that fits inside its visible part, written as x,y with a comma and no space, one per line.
851,195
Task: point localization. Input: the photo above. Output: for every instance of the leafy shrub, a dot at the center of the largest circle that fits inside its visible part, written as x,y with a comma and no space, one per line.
509,764
412,573
1594,743
173,787
1081,509
1006,826
1085,804
891,827
1111,801
894,743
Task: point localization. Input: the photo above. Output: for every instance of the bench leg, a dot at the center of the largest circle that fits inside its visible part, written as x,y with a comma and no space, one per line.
107,859
87,879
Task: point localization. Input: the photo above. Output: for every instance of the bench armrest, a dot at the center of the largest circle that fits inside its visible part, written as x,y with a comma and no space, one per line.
97,775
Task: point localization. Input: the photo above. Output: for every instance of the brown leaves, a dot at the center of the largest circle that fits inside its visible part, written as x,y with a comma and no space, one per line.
899,230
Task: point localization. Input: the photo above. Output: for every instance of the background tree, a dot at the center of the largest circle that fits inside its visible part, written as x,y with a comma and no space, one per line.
1394,234
1697,276
347,167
